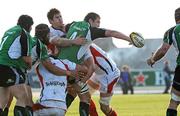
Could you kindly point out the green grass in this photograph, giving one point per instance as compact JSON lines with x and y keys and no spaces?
{"x":129,"y":105}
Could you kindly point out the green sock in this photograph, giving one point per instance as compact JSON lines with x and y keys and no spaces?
{"x":5,"y":111}
{"x":84,"y":109}
{"x":20,"y":111}
{"x":171,"y":112}
{"x":1,"y":112}
{"x":69,"y":99}
{"x":29,"y":110}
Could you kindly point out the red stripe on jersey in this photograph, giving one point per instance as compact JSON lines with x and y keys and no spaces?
{"x":39,"y":76}
{"x":111,"y":85}
{"x":95,"y":54}
{"x":51,"y":47}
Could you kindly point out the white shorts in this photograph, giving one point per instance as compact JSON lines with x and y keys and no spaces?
{"x":49,"y":112}
{"x":106,"y":81}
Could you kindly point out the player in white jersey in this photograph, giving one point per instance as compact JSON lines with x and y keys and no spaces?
{"x":56,"y":35}
{"x":53,"y":93}
{"x":104,"y":78}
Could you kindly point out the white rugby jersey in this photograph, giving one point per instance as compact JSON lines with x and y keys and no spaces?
{"x":56,"y":33}
{"x":53,"y":86}
{"x":104,"y":64}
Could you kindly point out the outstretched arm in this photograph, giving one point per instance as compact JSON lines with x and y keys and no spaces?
{"x":118,"y":35}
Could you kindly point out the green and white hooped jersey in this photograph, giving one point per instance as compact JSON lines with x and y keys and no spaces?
{"x":39,"y":51}
{"x":75,"y":53}
{"x":172,"y":36}
{"x":15,"y":43}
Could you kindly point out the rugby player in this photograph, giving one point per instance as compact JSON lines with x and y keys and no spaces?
{"x":15,"y":59}
{"x":171,"y":36}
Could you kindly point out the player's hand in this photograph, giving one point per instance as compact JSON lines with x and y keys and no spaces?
{"x":150,"y":61}
{"x":72,"y":73}
{"x":81,"y":75}
{"x":79,"y":41}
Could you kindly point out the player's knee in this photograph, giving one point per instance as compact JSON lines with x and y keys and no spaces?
{"x":105,"y":100}
{"x":91,"y":90}
{"x":104,"y":103}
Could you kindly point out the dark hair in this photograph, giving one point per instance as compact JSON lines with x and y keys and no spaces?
{"x":177,"y":14}
{"x":92,"y":16}
{"x":52,"y":12}
{"x":41,"y":32}
{"x":25,"y":21}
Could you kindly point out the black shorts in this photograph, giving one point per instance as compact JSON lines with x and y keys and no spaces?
{"x":11,"y":76}
{"x":176,"y":80}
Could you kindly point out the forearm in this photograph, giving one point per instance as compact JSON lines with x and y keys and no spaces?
{"x":158,"y":54}
{"x":62,"y":42}
{"x":116,"y":34}
{"x":54,"y":69}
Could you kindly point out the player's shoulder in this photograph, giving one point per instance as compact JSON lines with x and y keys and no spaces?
{"x":169,"y":31}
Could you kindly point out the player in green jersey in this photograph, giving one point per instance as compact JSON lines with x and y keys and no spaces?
{"x":95,"y":32}
{"x":15,"y":59}
{"x":171,"y":36}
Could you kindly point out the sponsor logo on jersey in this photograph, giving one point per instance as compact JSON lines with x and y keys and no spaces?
{"x":55,"y":83}
{"x":80,"y":29}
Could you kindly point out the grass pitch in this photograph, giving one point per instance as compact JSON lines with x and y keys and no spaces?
{"x":128,"y":105}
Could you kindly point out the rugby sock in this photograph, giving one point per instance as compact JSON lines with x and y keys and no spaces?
{"x":171,"y":112}
{"x":29,"y":110}
{"x":20,"y":111}
{"x":1,"y":112}
{"x":92,"y":109}
{"x":69,"y":99}
{"x":84,"y":109}
{"x":5,"y":111}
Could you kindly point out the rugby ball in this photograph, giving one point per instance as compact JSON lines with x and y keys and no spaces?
{"x":137,"y":39}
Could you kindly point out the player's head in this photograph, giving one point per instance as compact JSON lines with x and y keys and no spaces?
{"x":42,"y":32}
{"x":55,"y":18}
{"x":93,"y":19}
{"x":25,"y":21}
{"x":177,"y":15}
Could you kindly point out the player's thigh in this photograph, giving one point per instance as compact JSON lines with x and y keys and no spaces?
{"x":4,"y":96}
{"x":18,"y":91}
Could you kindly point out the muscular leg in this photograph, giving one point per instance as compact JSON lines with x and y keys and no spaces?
{"x":93,"y":87}
{"x":4,"y":97}
{"x":175,"y":94}
{"x":29,"y":101}
{"x":6,"y":109}
{"x":104,"y":104}
{"x":71,"y":95}
{"x":173,"y":104}
{"x":19,"y":92}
